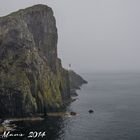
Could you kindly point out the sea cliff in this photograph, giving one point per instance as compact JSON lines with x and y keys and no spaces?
{"x":32,"y":79}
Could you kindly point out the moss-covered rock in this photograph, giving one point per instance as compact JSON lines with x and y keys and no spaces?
{"x":31,"y":76}
{"x":32,"y":79}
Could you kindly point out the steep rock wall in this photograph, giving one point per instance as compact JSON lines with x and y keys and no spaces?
{"x":32,"y":79}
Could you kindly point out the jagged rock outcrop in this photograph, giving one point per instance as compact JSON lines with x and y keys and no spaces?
{"x":76,"y":81}
{"x":32,"y":79}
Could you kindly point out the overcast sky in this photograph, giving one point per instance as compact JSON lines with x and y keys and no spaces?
{"x":94,"y":35}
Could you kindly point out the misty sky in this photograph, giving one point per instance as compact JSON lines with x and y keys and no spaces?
{"x":94,"y":35}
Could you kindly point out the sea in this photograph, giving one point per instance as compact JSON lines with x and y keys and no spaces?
{"x":115,"y":100}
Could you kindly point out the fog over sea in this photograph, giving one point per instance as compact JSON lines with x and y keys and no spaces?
{"x":115,"y":99}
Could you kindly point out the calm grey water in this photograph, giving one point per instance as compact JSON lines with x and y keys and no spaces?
{"x":115,"y":99}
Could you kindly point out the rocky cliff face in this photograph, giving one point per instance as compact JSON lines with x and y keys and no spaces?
{"x":76,"y":81}
{"x":32,"y":79}
{"x":31,"y":76}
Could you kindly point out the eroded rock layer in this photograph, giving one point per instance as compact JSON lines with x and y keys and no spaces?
{"x":32,"y":79}
{"x":31,"y":76}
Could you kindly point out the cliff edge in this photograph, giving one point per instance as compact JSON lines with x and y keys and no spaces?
{"x":32,"y":79}
{"x":76,"y":81}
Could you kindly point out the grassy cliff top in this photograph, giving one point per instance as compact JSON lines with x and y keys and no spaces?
{"x":35,"y":8}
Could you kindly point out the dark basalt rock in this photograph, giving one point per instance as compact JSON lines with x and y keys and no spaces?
{"x":91,"y":111}
{"x":73,"y":113}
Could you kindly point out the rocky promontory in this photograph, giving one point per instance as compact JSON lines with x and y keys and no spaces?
{"x":76,"y":81}
{"x":32,"y":79}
